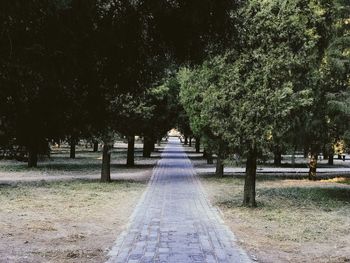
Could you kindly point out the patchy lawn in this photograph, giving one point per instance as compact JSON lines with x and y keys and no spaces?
{"x":296,"y":220}
{"x":75,"y":221}
{"x":59,"y":212}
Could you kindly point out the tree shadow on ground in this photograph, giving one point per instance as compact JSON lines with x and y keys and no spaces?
{"x":52,"y":184}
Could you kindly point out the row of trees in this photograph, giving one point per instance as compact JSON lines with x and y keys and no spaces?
{"x":286,"y":83}
{"x":72,"y":69}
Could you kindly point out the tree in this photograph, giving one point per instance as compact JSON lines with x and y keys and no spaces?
{"x":256,"y":90}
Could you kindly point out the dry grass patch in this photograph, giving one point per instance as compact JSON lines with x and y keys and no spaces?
{"x":73,"y":221}
{"x":296,"y":220}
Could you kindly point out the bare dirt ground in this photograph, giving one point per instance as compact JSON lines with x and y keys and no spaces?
{"x":59,"y":212}
{"x":296,"y":220}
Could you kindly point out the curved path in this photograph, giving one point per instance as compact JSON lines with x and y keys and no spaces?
{"x":174,"y":222}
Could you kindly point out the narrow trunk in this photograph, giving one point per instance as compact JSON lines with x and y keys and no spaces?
{"x":32,"y":157}
{"x":152,"y":145}
{"x":186,"y":140}
{"x":147,"y":147}
{"x":198,"y":145}
{"x":204,"y":153}
{"x":312,"y":166}
{"x":72,"y":148}
{"x":190,"y":142}
{"x":219,"y":167}
{"x":330,"y":159}
{"x":250,"y":177}
{"x":131,"y":149}
{"x":339,"y":157}
{"x":277,"y":160}
{"x":209,"y":156}
{"x":95,"y":146}
{"x":159,"y":142}
{"x":106,"y":163}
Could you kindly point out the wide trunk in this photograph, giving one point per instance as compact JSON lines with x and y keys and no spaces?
{"x":130,"y":161}
{"x":250,"y":178}
{"x":147,"y":146}
{"x":330,"y":159}
{"x":72,"y":148}
{"x":198,"y":145}
{"x":277,"y":160}
{"x":209,"y":156}
{"x":106,"y":163}
{"x":312,"y":166}
{"x":32,"y":157}
{"x":219,"y":167}
{"x":95,"y":146}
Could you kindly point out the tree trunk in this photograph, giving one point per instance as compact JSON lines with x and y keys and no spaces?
{"x":190,"y":141}
{"x":250,"y":178}
{"x":312,"y":166}
{"x":186,"y":140}
{"x":209,"y":156}
{"x":277,"y":160}
{"x":204,"y":153}
{"x":152,"y":145}
{"x":32,"y":157}
{"x":331,"y":159}
{"x":198,"y":145}
{"x":131,"y":150}
{"x":95,"y":146}
{"x":106,"y":163}
{"x":219,"y":167}
{"x":72,"y":148}
{"x":147,"y":147}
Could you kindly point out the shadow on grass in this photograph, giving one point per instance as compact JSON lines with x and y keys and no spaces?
{"x":259,"y":177}
{"x":324,"y":198}
{"x":69,"y":183}
{"x":68,"y":167}
{"x":314,"y":195}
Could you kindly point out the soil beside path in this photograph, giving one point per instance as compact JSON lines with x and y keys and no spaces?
{"x":174,"y":222}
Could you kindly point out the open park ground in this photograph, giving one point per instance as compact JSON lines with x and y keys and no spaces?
{"x":59,"y":212}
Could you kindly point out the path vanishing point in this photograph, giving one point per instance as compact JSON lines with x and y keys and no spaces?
{"x":174,"y":222}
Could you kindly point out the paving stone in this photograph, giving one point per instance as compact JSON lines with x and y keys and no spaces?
{"x":174,"y":222}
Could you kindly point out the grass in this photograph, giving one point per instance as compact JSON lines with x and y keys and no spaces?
{"x":74,"y":221}
{"x":296,"y":220}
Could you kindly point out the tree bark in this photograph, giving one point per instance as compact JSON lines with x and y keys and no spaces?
{"x":312,"y":166}
{"x":204,"y":153}
{"x":95,"y":146}
{"x":152,"y":145}
{"x":72,"y":148}
{"x":190,"y":141}
{"x":277,"y":160}
{"x":186,"y":140}
{"x":130,"y":161}
{"x":198,"y":145}
{"x":32,"y":157}
{"x":147,"y":147}
{"x":250,"y":178}
{"x":106,"y":163}
{"x":219,"y":167}
{"x":330,"y":159}
{"x":209,"y":156}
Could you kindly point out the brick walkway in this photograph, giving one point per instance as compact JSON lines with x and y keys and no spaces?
{"x":174,"y":222}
